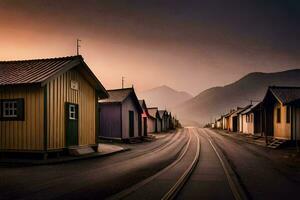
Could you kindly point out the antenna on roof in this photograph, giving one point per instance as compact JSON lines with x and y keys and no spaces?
{"x":123,"y":79}
{"x":78,"y":46}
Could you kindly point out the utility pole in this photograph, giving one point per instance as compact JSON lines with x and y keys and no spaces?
{"x":78,"y":46}
{"x":123,"y":81}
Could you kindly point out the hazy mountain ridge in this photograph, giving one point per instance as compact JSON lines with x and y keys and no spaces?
{"x":215,"y":101}
{"x":164,"y":97}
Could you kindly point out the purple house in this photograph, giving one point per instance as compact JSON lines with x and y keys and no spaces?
{"x":120,"y":115}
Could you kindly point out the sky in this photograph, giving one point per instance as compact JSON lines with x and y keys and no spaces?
{"x":187,"y":45}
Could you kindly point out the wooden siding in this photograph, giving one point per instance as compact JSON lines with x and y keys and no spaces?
{"x":128,"y":105}
{"x":240,"y":121}
{"x":248,"y":127}
{"x":282,"y":130}
{"x":296,"y":123}
{"x":224,"y":124}
{"x":58,"y":93}
{"x":27,"y":135}
{"x":151,"y":125}
{"x":110,"y":120}
{"x":251,"y":123}
{"x":159,"y":129}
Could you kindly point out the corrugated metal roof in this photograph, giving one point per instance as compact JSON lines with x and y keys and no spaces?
{"x":32,"y":71}
{"x":286,"y":95}
{"x":117,"y":95}
{"x":39,"y":71}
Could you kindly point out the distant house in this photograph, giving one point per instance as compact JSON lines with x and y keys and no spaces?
{"x":152,"y":121}
{"x":48,"y":105}
{"x":235,"y":119}
{"x":251,"y":119}
{"x":164,"y":119}
{"x":219,"y":123}
{"x":227,"y":120}
{"x":247,"y":121}
{"x":145,"y":116}
{"x":171,"y":121}
{"x":168,"y":120}
{"x":158,"y":122}
{"x":282,"y":112}
{"x":120,"y":115}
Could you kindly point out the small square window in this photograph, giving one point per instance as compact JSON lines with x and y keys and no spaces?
{"x":9,"y":109}
{"x":72,"y":112}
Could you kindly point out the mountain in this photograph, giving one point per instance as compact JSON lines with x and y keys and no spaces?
{"x":164,"y":97}
{"x":213,"y":102}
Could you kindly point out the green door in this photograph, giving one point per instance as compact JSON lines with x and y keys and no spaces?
{"x":71,"y":124}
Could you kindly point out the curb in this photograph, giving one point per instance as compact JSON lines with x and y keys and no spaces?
{"x":54,"y":162}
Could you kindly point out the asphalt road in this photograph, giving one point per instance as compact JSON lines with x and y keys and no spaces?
{"x":151,"y":170}
{"x":208,"y":180}
{"x":261,"y":177}
{"x":91,"y":179}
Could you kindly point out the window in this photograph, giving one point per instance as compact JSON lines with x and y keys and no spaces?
{"x":288,"y":114}
{"x":9,"y":108}
{"x":278,"y":112}
{"x":12,"y":109}
{"x":72,"y":112}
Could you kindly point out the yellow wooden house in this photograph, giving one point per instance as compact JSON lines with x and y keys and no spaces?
{"x":48,"y":105}
{"x":282,"y":112}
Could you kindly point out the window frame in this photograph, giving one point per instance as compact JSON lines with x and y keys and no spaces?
{"x":15,"y":105}
{"x":10,"y":106}
{"x":72,"y":112}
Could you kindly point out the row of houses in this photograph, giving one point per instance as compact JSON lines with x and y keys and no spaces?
{"x":123,"y":116}
{"x":276,"y":116}
{"x":49,"y":105}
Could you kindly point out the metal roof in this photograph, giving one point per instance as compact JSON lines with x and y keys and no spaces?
{"x":39,"y":71}
{"x":31,"y":71}
{"x":119,"y":95}
{"x":285,"y":95}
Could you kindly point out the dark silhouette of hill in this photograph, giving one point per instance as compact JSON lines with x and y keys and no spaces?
{"x":164,"y":97}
